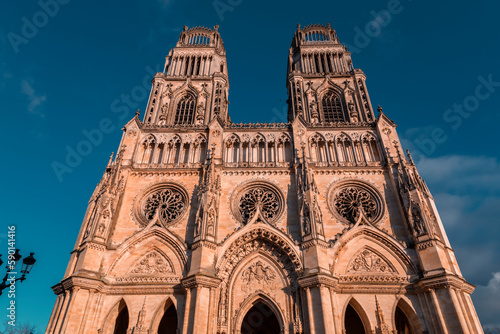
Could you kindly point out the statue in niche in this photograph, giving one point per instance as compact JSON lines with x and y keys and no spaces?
{"x":164,"y":108}
{"x":306,"y":222}
{"x":200,"y":114}
{"x":314,"y":112}
{"x":197,"y":225}
{"x":417,"y":221}
{"x":100,"y":229}
{"x":352,"y":112}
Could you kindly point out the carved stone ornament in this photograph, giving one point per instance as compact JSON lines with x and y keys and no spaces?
{"x":368,"y":261}
{"x":165,"y":203}
{"x":263,"y":196}
{"x":258,"y":273}
{"x":152,"y":263}
{"x":349,"y":200}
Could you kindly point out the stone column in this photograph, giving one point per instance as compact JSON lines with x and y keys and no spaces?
{"x":319,"y":302}
{"x":439,"y":313}
{"x":459,"y":310}
{"x":198,"y":321}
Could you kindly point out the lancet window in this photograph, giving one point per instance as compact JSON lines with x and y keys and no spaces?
{"x":185,"y":110}
{"x":218,"y":99}
{"x":332,"y":108}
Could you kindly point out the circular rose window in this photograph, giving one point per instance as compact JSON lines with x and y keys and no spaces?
{"x":348,"y":200}
{"x":165,"y":203}
{"x":265,"y":198}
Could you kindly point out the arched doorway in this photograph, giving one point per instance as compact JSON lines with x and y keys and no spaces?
{"x":121,"y":323}
{"x":168,"y":323}
{"x":260,"y":319}
{"x":402,"y":323}
{"x":352,"y":322}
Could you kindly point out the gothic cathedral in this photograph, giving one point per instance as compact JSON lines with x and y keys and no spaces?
{"x":318,"y":225}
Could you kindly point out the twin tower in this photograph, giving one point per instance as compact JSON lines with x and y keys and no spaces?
{"x":318,"y":225}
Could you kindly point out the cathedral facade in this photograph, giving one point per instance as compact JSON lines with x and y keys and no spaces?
{"x":318,"y":225}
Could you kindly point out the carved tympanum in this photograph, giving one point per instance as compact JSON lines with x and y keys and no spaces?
{"x":368,"y":261}
{"x":152,"y":263}
{"x":259,"y":273}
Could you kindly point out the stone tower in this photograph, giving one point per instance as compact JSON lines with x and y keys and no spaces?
{"x":318,"y":225}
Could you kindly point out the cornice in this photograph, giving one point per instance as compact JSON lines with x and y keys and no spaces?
{"x":445,"y":281}
{"x":315,"y":280}
{"x":200,"y":281}
{"x":151,"y":286}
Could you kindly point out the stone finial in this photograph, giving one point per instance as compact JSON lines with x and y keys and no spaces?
{"x":409,"y":156}
{"x":379,"y":108}
{"x":298,"y":26}
{"x":110,"y":159}
{"x":138,"y":112}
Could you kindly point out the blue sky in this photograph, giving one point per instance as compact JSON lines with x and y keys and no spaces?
{"x":62,"y":77}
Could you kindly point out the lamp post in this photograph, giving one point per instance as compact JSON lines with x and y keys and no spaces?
{"x":10,"y":276}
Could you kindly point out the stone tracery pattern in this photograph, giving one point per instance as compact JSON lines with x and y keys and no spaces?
{"x":350,"y":199}
{"x":164,"y":204}
{"x":264,"y":199}
{"x":258,"y":195}
{"x":167,"y":204}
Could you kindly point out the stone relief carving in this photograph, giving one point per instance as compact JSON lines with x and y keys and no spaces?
{"x":152,"y":263}
{"x":368,"y":261}
{"x":258,"y":272}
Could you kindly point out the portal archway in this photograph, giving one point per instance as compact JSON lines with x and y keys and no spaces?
{"x":260,"y":319}
{"x":352,"y":321}
{"x":402,"y":323}
{"x":168,"y":323}
{"x":121,"y":323}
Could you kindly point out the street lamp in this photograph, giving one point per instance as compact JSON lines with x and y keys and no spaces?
{"x":28,"y":263}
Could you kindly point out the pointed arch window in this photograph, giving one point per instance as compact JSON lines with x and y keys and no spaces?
{"x":332,"y":108}
{"x":185,"y":110}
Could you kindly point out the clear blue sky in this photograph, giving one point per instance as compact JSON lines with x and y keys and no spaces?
{"x":65,"y":76}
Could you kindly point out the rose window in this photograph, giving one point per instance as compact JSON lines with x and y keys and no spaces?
{"x":348,"y":202}
{"x":262,"y":197}
{"x":167,"y":205}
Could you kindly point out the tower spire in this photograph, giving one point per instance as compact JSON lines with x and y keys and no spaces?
{"x":193,"y":88}
{"x":322,"y":85}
